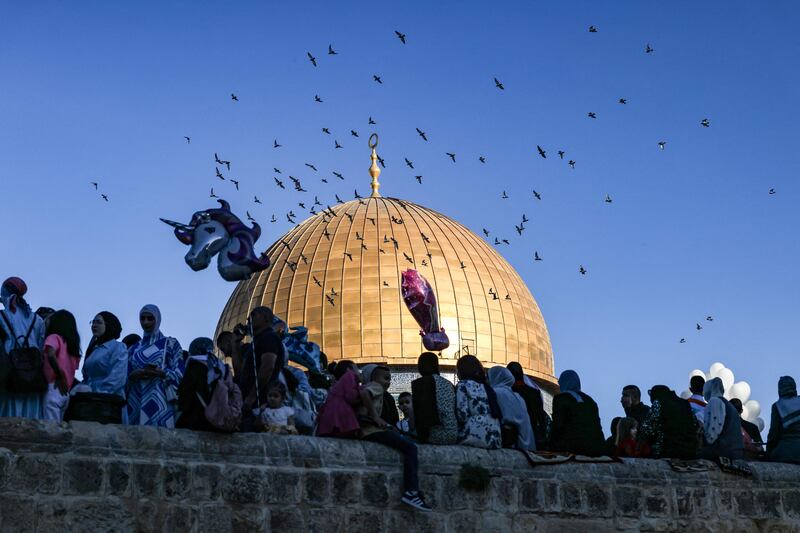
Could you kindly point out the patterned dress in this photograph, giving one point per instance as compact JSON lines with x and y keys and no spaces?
{"x":447,"y":430}
{"x":153,"y":402}
{"x":476,"y":425}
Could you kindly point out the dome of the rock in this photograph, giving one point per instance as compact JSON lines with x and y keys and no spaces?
{"x":338,"y":274}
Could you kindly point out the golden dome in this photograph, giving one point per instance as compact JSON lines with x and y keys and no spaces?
{"x":340,"y":277}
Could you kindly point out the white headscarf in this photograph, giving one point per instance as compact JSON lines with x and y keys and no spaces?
{"x":150,"y":338}
{"x":714,"y":416}
{"x":512,"y":406}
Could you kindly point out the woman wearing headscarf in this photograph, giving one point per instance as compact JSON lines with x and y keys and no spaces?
{"x":532,"y":396}
{"x":100,"y":397}
{"x":512,"y":407}
{"x":434,"y":403}
{"x":783,"y":440}
{"x":576,"y":420}
{"x":477,"y":411}
{"x":670,"y":429}
{"x":155,"y":369}
{"x":722,"y":426}
{"x":17,"y":320}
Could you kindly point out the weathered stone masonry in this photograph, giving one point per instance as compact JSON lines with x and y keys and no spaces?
{"x":89,"y":477}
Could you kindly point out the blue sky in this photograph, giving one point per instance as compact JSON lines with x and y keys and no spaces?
{"x":105,"y":92}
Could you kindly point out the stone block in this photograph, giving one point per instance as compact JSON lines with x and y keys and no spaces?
{"x":550,"y":496}
{"x":768,"y":503}
{"x":656,"y":503}
{"x":240,"y":448}
{"x":570,"y":499}
{"x":530,"y":495}
{"x":119,"y":478}
{"x":791,"y":502}
{"x":213,"y":518}
{"x":317,"y":488}
{"x":464,"y":522}
{"x":147,"y":480}
{"x":745,"y":503}
{"x":527,"y":523}
{"x":250,"y":520}
{"x":428,"y":486}
{"x":180,"y":518}
{"x":337,"y":453}
{"x":325,"y":520}
{"x":206,"y":481}
{"x":346,"y":487}
{"x":242,"y":485}
{"x":598,"y":500}
{"x":304,"y":452}
{"x":17,"y":513}
{"x":287,"y":519}
{"x":452,"y":495}
{"x":276,"y":449}
{"x":36,"y":474}
{"x":283,"y":486}
{"x":628,"y":501}
{"x":105,"y":514}
{"x":6,"y":465}
{"x":51,"y":515}
{"x":176,"y":481}
{"x":408,"y":521}
{"x":495,"y":522}
{"x":505,"y":492}
{"x":684,"y":503}
{"x":82,"y":476}
{"x":373,"y":485}
{"x":364,"y":520}
{"x":724,"y":503}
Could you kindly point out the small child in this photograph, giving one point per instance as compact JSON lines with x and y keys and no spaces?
{"x":406,"y":425}
{"x":627,"y":443}
{"x":276,"y":417}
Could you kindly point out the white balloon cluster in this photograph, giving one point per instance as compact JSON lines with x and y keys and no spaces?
{"x":751,"y":409}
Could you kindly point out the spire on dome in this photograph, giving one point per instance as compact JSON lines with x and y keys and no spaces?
{"x":374,"y":170}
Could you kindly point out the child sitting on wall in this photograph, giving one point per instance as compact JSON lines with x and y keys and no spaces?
{"x":275,"y":416}
{"x":337,"y":416}
{"x":373,"y":428}
{"x":406,"y":424}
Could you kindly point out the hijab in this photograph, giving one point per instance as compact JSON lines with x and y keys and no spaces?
{"x":788,"y":404}
{"x":11,"y":294}
{"x":787,"y":388}
{"x":570,"y":382}
{"x":366,"y":372}
{"x":113,"y":331}
{"x":512,"y":406}
{"x":150,"y":338}
{"x":423,"y":395}
{"x":469,"y":368}
{"x":716,"y":409}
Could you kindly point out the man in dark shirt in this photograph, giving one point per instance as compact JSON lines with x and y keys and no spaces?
{"x":533,"y":403}
{"x":632,"y":403}
{"x":265,"y":353}
{"x":749,"y":427}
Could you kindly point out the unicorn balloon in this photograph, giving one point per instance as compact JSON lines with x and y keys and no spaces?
{"x":219,"y":231}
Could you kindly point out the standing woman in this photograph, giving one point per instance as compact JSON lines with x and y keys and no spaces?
{"x":62,"y":355}
{"x":17,"y":320}
{"x":155,"y":369}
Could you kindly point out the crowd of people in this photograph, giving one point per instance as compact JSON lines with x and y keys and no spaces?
{"x":149,"y":379}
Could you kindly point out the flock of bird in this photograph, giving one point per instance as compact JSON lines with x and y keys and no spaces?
{"x":222,"y":169}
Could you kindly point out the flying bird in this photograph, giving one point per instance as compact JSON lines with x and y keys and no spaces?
{"x":482,"y":159}
{"x":608,"y":199}
{"x":354,"y":133}
{"x":336,"y":144}
{"x":682,"y":341}
{"x":312,"y":59}
{"x":212,"y":193}
{"x":698,"y":327}
{"x":326,"y":130}
{"x":485,"y":231}
{"x":524,"y":218}
{"x":256,"y":200}
{"x":349,"y":255}
{"x":371,"y":121}
{"x":772,"y":191}
{"x":662,"y":144}
{"x":419,"y":179}
{"x":504,"y":196}
{"x":331,"y":51}
{"x":421,"y":134}
{"x":279,"y":183}
{"x":409,"y":163}
{"x":519,"y":228}
{"x":275,"y":144}
{"x":94,"y":183}
{"x":592,"y":115}
{"x":648,"y":49}
{"x":623,"y":101}
{"x":312,"y":167}
{"x":317,"y":98}
{"x":710,"y":318}
{"x":188,"y":139}
{"x":571,"y":163}
{"x":235,"y":183}
{"x":316,"y":281}
{"x":338,"y":175}
{"x":451,"y":156}
{"x":104,"y":197}
{"x":541,"y":151}
{"x":582,"y":270}
{"x":219,"y":174}
{"x":592,"y":29}
{"x":561,"y":154}
{"x":273,"y":219}
{"x":234,"y":97}
{"x":499,"y":85}
{"x":536,"y":256}
{"x":250,"y":217}
{"x":537,"y":195}
{"x":377,"y":78}
{"x":705,"y":123}
{"x":330,"y":299}
{"x":401,"y":36}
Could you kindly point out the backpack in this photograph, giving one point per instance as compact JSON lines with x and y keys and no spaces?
{"x":224,"y":409}
{"x":25,"y":372}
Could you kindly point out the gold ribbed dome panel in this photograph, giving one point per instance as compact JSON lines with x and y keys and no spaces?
{"x":368,"y":321}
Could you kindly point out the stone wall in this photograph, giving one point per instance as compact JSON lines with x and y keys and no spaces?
{"x":88,"y":477}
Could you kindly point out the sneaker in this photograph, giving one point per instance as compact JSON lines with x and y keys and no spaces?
{"x":414,"y":499}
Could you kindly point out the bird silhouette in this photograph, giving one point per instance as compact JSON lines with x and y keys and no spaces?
{"x":331,"y":51}
{"x":648,"y":49}
{"x":592,"y":115}
{"x":359,"y":237}
{"x":409,"y":163}
{"x":623,"y":101}
{"x":275,"y":144}
{"x":421,"y":134}
{"x":302,"y":205}
{"x":592,"y":29}
{"x":608,"y":199}
{"x":499,"y":85}
{"x":482,"y":159}
{"x":408,"y":258}
{"x":273,"y":219}
{"x":371,"y":220}
{"x":279,"y":183}
{"x":338,"y":175}
{"x":349,"y":255}
{"x":504,"y":196}
{"x":536,"y":256}
{"x":698,"y":327}
{"x":682,"y":341}
{"x":219,"y":174}
{"x":537,"y":195}
{"x":519,"y":229}
{"x":326,"y":130}
{"x":371,"y":121}
{"x":380,"y":160}
{"x":524,"y":218}
{"x":338,"y":200}
{"x":336,"y":144}
{"x":541,"y":151}
{"x":385,"y":284}
{"x":356,"y":195}
{"x":188,"y":139}
{"x":312,"y":59}
{"x":317,"y":98}
{"x":485,"y":231}
{"x":705,"y":123}
{"x":234,"y":97}
{"x":94,"y":183}
{"x":401,"y":36}
{"x":451,"y":156}
{"x":710,"y":318}
{"x":212,"y":193}
{"x":571,"y":163}
{"x":330,"y":299}
{"x":250,"y":217}
{"x":333,"y":292}
{"x":235,"y":183}
{"x":349,"y":216}
{"x":104,"y":197}
{"x":662,"y":144}
{"x":312,"y":167}
{"x":508,"y":297}
{"x":425,"y":238}
{"x":582,"y":270}
{"x":377,"y":78}
{"x":461,"y":265}
{"x":316,"y":281}
{"x":419,"y":179}
{"x":772,"y":191}
{"x":326,"y":234}
{"x":354,"y":133}
{"x":256,"y":200}
{"x":561,"y":154}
